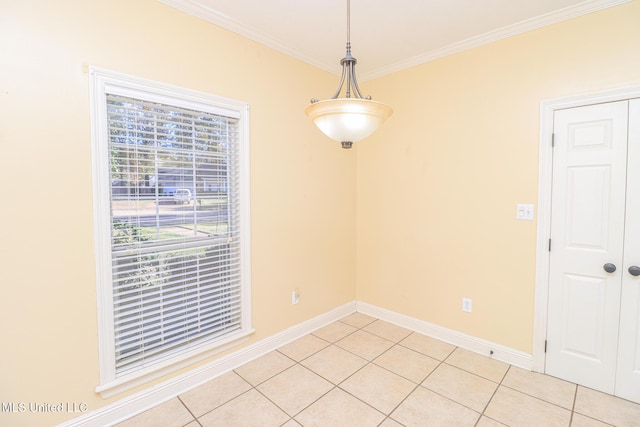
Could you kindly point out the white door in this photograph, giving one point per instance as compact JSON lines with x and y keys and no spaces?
{"x":593,"y":334}
{"x":628,"y":378}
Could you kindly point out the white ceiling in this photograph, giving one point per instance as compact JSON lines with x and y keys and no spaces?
{"x":386,"y":35}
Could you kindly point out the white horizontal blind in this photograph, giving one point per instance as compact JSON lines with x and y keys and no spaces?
{"x":175,"y":224}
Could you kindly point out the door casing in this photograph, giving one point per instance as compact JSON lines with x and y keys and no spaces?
{"x":545,"y":186}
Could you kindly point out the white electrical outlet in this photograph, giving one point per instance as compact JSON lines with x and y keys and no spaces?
{"x":295,"y":297}
{"x":466,"y":305}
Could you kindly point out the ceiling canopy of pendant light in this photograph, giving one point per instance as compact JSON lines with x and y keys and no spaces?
{"x":352,"y":117}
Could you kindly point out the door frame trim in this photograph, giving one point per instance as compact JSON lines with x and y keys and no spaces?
{"x":545,"y":186}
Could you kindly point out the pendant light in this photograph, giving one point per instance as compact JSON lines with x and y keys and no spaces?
{"x":350,"y":118}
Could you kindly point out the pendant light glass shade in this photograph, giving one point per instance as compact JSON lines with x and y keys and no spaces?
{"x":348,"y":119}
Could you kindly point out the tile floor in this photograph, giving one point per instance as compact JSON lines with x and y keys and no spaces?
{"x":361,"y":371}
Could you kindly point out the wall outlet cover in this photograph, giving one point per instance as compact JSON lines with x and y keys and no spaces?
{"x":466,"y":305}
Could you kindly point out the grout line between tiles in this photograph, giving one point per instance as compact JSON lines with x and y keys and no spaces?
{"x":573,"y":411}
{"x":538,"y":398}
{"x":443,"y":362}
{"x":482,"y":414}
{"x":417,"y":351}
{"x":222,"y":404}
{"x":402,"y":401}
{"x":275,"y":404}
{"x":267,"y":379}
{"x":573,"y":406}
{"x":190,"y":412}
{"x":366,"y":403}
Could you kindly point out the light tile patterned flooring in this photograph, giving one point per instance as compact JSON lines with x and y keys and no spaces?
{"x":361,"y":371}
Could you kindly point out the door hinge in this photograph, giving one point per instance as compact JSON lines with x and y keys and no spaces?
{"x":553,"y":140}
{"x":545,"y":346}
{"x":549,"y":245}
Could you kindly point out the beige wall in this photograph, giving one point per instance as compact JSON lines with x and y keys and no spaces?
{"x":303,"y":186}
{"x":439,"y":184}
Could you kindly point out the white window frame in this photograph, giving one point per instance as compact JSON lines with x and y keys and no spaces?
{"x":103,"y":82}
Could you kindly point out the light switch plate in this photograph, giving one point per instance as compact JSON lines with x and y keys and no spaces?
{"x":525,"y":212}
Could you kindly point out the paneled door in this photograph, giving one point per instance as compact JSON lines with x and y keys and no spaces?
{"x":628,"y":372}
{"x":593,"y":335}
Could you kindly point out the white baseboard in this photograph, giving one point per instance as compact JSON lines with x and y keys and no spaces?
{"x":146,"y":399}
{"x":477,"y":345}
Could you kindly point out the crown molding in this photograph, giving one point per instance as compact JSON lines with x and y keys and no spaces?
{"x":195,"y":8}
{"x":555,"y":17}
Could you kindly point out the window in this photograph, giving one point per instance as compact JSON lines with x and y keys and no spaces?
{"x":171,"y":215}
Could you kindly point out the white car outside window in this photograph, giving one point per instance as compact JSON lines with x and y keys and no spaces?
{"x":182,"y":195}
